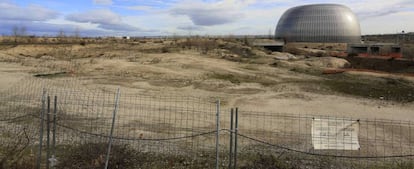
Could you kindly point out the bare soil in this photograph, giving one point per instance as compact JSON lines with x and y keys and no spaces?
{"x":231,"y":70}
{"x":251,"y":80}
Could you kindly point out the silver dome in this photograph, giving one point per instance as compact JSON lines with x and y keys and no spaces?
{"x":319,"y":23}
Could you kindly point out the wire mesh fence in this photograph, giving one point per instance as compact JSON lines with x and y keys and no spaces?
{"x":360,"y":143}
{"x":169,"y":125}
{"x":45,"y":123}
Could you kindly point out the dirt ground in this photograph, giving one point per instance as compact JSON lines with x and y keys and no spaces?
{"x":260,"y":83}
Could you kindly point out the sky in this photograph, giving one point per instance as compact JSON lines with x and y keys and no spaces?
{"x":183,"y":17}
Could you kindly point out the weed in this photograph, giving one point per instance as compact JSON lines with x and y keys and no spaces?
{"x":229,"y":77}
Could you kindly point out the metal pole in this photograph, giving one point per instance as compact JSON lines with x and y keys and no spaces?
{"x":48,"y":132}
{"x":112,"y":129}
{"x":53,"y":159}
{"x":217,"y":133}
{"x":231,"y":137}
{"x":39,"y":155}
{"x":235,"y":137}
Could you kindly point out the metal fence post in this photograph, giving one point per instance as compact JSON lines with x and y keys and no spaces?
{"x":53,"y":159}
{"x":217,"y":133}
{"x":48,"y":133}
{"x":231,"y":138}
{"x":236,"y":128}
{"x":112,"y":129}
{"x":39,"y":155}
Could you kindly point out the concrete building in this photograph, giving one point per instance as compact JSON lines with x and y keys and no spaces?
{"x":388,"y":50}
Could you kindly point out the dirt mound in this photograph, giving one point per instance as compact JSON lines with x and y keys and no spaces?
{"x":326,"y":62}
{"x":284,"y":56}
{"x":7,"y":58}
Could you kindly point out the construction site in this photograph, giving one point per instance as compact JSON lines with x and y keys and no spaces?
{"x":340,"y":100}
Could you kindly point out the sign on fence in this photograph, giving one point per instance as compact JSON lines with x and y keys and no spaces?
{"x":335,"y":134}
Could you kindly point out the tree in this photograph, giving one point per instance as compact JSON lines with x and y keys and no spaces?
{"x":15,"y":33}
{"x":76,"y":33}
{"x":15,"y":30}
{"x":18,"y":32}
{"x":61,"y":33}
{"x":23,"y":31}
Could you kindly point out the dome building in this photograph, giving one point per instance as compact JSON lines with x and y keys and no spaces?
{"x":326,"y":23}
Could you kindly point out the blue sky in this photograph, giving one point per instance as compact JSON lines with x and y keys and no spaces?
{"x":184,"y":17}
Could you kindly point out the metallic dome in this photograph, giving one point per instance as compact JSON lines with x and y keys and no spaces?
{"x":319,"y":23}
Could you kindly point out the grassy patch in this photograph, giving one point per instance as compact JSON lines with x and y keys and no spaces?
{"x":228,"y":77}
{"x":265,"y":162}
{"x":92,"y":155}
{"x":392,"y":89}
{"x":377,"y":88}
{"x":238,"y":79}
{"x":15,"y":150}
{"x":264,"y":159}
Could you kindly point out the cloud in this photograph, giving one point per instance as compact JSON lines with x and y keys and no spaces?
{"x":100,"y":16}
{"x":210,"y":17}
{"x":209,"y":14}
{"x":139,"y":8}
{"x":190,"y":28}
{"x":102,"y":2}
{"x":39,"y":28}
{"x":374,"y":8}
{"x":398,"y":22}
{"x":370,"y":14}
{"x":118,"y":27}
{"x":52,"y":29}
{"x":123,"y":27}
{"x":10,"y":11}
{"x":106,"y":19}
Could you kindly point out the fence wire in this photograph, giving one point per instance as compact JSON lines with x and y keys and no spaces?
{"x":185,"y":126}
{"x":384,"y":143}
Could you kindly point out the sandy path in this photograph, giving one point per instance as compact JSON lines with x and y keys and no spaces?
{"x":10,"y":74}
{"x":326,"y":105}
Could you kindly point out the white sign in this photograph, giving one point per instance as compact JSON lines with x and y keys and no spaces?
{"x":335,"y":134}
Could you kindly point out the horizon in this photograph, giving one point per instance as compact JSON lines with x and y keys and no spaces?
{"x":106,"y":18}
{"x":171,"y":36}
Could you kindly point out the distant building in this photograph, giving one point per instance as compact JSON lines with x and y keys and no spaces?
{"x":326,"y":23}
{"x":388,"y":50}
